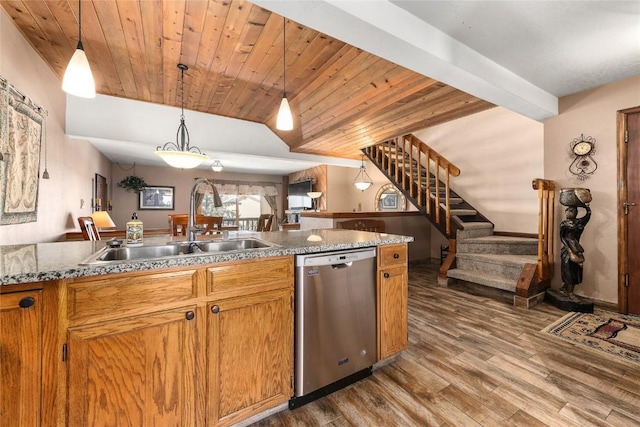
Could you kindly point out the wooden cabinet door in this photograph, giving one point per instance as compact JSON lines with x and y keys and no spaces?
{"x":137,"y":371}
{"x":392,"y":314}
{"x":250,"y":355}
{"x":20,"y":358}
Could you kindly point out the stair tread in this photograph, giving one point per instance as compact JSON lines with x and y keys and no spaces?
{"x":501,"y":239}
{"x":485,"y":279}
{"x":501,"y":258}
{"x":461,"y":212}
{"x":475,"y":225}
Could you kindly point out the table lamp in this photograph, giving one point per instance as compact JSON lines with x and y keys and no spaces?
{"x":102,"y":220}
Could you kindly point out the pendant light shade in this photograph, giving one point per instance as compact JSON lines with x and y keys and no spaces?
{"x":217,"y":166}
{"x":180,"y":154}
{"x":78,"y":79}
{"x":363,"y":180}
{"x":285,"y":118}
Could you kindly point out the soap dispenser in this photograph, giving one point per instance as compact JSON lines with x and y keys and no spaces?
{"x":134,"y":231}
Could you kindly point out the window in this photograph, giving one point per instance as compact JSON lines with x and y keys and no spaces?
{"x":240,"y":210}
{"x":242,"y":203}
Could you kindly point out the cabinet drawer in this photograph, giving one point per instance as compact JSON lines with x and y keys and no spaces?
{"x":392,"y":255}
{"x":237,"y":277}
{"x":118,"y":295}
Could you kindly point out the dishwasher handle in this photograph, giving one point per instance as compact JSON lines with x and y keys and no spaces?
{"x":342,"y":265}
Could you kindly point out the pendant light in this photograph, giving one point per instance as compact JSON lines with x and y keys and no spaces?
{"x":180,"y":154}
{"x":285,"y":119}
{"x":363,"y":180}
{"x":217,"y":166}
{"x":78,"y":79}
{"x":45,"y":174}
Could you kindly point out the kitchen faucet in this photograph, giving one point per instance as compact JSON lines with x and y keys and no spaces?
{"x":192,"y":229}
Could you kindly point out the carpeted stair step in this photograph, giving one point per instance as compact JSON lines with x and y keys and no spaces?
{"x":452,"y":200}
{"x":460,"y":212}
{"x":507,"y":266}
{"x":503,"y":245}
{"x":484,"y":279}
{"x":474,"y":229}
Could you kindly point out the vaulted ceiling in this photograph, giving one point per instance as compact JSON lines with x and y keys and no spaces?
{"x":343,"y":98}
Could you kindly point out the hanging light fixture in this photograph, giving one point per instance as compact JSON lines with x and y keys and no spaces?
{"x":363,"y":180}
{"x":217,"y":166}
{"x":78,"y":79}
{"x":285,"y":119}
{"x":45,"y":174}
{"x":180,"y":154}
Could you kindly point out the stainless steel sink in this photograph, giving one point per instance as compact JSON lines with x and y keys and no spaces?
{"x":172,"y":249}
{"x":233,"y":245}
{"x":142,"y":252}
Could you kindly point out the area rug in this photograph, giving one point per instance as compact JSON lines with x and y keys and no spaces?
{"x":612,"y":333}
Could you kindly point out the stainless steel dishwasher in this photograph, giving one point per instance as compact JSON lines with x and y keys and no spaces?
{"x":335,"y":326}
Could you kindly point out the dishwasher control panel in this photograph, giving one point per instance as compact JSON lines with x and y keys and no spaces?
{"x":335,"y":257}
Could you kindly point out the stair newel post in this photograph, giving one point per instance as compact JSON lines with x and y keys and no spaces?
{"x":542,"y":233}
{"x":546,"y":202}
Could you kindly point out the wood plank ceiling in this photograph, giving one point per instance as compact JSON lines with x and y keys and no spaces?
{"x":343,"y":98}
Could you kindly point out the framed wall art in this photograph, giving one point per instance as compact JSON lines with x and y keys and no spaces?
{"x":100,"y":193}
{"x":157,"y":197}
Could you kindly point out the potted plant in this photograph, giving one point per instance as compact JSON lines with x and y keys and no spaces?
{"x":133,"y":183}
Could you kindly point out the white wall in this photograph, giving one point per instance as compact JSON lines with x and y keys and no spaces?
{"x":592,"y":113}
{"x":71,"y":163}
{"x":499,"y":153}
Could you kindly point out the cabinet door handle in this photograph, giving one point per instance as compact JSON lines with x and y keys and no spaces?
{"x":215,"y":309}
{"x":396,"y":256}
{"x":27,"y":302}
{"x":386,"y":275}
{"x":190,"y":315}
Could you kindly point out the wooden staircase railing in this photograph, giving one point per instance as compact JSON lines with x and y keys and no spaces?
{"x":409,"y":160}
{"x":536,"y":278}
{"x":423,"y":176}
{"x":546,"y":196}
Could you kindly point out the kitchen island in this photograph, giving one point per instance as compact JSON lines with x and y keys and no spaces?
{"x":195,"y":339}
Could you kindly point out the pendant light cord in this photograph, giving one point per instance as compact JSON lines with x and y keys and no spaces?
{"x":80,"y":22}
{"x":284,"y":56}
{"x":182,"y":92}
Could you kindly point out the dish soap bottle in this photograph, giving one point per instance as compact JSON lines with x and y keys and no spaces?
{"x":134,"y":231}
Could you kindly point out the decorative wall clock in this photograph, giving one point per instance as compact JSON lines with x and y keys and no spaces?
{"x":581,"y":150}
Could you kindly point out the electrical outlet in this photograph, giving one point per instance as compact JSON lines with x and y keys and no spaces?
{"x":81,"y":203}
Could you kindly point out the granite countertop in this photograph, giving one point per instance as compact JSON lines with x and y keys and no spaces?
{"x":50,"y":261}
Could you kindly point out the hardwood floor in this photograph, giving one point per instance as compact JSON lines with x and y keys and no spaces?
{"x":474,"y":361}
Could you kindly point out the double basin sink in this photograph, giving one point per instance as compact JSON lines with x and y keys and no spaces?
{"x":206,"y":247}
